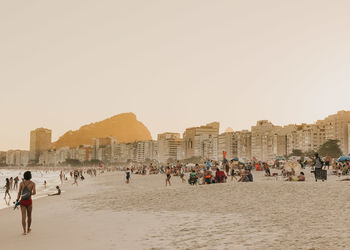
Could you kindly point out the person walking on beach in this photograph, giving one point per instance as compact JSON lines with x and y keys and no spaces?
{"x":15,"y":185}
{"x":168,"y":176}
{"x":7,"y":188}
{"x":182,"y":174}
{"x":26,"y":190}
{"x":61,"y":177}
{"x":318,"y":164}
{"x":127,"y":176}
{"x":11,"y":183}
{"x":76,"y":175}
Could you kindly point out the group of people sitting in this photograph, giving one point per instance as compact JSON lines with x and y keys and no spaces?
{"x":207,"y":177}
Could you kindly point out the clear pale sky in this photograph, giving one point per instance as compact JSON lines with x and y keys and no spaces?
{"x":175,"y":64}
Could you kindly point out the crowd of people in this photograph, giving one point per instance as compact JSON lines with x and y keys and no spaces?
{"x":27,"y":188}
{"x":209,"y":172}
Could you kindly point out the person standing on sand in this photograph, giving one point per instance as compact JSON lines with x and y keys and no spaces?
{"x":26,"y":190}
{"x":15,"y":185}
{"x":61,"y":177}
{"x":7,"y":188}
{"x":168,"y":176}
{"x":233,"y":174}
{"x":11,"y":183}
{"x":318,"y":164}
{"x":182,"y":174}
{"x":127,"y":176}
{"x":76,"y":175}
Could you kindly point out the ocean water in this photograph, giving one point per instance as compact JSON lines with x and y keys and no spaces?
{"x":38,"y":176}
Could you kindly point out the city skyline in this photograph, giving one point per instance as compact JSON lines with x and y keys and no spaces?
{"x":181,"y":133}
{"x":69,"y":63}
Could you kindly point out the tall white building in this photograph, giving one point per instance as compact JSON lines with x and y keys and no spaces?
{"x":17,"y":157}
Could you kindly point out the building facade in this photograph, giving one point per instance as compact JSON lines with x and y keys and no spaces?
{"x":40,"y":140}
{"x":168,"y":145}
{"x":202,"y":141}
{"x":17,"y":158}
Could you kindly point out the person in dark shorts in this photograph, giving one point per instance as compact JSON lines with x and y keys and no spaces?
{"x":127,"y":173}
{"x":7,"y":188}
{"x":168,"y":176}
{"x":58,"y":192}
{"x":318,"y":164}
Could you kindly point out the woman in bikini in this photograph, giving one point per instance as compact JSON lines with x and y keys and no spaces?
{"x":7,"y":188}
{"x":26,"y":190}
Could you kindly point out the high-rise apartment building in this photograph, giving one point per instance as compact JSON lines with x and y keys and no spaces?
{"x":337,"y":127}
{"x":103,"y":149}
{"x":202,"y":141}
{"x":168,"y":144}
{"x":305,"y":137}
{"x":146,"y":151}
{"x":3,"y":157}
{"x":228,"y":142}
{"x":17,"y":157}
{"x":40,"y":140}
{"x":268,"y":141}
{"x":244,"y":144}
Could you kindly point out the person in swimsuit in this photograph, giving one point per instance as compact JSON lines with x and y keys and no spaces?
{"x":127,"y":175}
{"x":76,"y":175}
{"x":7,"y":188}
{"x":233,"y":174}
{"x":15,"y":185}
{"x":168,"y":176}
{"x":26,"y":190}
{"x":300,"y":177}
{"x":58,"y":192}
{"x":182,"y":174}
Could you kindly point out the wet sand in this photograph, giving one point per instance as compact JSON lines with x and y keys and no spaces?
{"x":105,"y":213}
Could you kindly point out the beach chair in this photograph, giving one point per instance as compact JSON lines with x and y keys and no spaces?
{"x":193,"y":179}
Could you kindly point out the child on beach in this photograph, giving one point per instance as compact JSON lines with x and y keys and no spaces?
{"x":127,"y":175}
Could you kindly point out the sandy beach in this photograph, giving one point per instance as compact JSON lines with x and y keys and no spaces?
{"x":105,"y":213}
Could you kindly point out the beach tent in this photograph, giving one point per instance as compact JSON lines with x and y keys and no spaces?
{"x":344,"y":158}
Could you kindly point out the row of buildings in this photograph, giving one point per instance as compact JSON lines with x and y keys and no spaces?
{"x":265,"y":141}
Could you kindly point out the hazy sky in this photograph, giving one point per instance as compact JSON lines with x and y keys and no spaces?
{"x":175,"y":64}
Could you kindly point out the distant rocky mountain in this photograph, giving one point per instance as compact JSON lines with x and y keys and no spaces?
{"x":123,"y":127}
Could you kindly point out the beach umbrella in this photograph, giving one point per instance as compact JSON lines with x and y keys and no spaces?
{"x":190,"y":165}
{"x":344,"y":158}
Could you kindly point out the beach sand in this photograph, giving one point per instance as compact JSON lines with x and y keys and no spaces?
{"x":105,"y":213}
